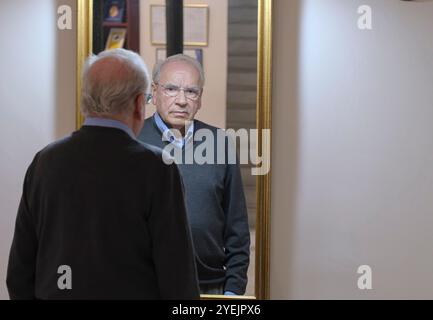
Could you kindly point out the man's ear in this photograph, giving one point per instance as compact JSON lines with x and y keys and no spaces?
{"x":139,"y":106}
{"x":199,"y":100}
{"x":154,"y":88}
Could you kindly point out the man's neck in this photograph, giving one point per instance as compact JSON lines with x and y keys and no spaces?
{"x":124,"y":120}
{"x":181,"y":129}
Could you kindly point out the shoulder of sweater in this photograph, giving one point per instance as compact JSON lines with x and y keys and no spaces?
{"x":149,"y":121}
{"x":134,"y":146}
{"x":149,"y":127}
{"x":202,"y":125}
{"x":56,"y":145}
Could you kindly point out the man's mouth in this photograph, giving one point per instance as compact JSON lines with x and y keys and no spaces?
{"x":179,"y":113}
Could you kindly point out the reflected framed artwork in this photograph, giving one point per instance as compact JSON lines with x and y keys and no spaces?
{"x":196,"y":25}
{"x":116,"y":38}
{"x":196,"y":53}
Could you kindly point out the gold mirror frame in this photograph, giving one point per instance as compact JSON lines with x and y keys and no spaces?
{"x":264,"y":113}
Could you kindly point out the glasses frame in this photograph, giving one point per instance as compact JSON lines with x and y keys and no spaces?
{"x":164,"y":86}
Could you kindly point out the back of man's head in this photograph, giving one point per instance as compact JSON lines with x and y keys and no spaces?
{"x":111,"y":82}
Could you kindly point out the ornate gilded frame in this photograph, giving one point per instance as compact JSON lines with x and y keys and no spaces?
{"x":84,"y":46}
{"x":264,"y":112}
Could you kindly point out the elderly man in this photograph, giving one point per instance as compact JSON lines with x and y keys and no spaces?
{"x":101,"y":215}
{"x":214,"y":193}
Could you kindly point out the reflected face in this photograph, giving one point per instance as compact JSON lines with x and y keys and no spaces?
{"x":177,"y":96}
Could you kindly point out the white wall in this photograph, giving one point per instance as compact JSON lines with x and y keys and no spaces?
{"x":37,"y":98}
{"x":214,"y":99}
{"x":352,"y":150}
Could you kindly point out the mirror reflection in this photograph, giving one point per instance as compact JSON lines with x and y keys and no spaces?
{"x":215,"y":88}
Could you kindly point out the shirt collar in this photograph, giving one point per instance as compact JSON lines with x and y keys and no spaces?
{"x":109,"y":123}
{"x":169,"y":135}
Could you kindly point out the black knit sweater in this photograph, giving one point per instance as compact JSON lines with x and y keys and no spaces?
{"x":107,"y":206}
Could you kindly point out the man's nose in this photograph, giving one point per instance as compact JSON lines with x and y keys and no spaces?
{"x":181,"y":98}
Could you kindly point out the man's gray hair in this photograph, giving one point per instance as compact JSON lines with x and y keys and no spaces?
{"x":115,"y":94}
{"x":176,"y":58}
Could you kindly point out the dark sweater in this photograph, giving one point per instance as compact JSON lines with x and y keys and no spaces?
{"x":108,"y":207}
{"x":217,"y":213}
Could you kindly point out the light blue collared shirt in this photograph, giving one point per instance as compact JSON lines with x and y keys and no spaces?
{"x":169,"y":136}
{"x":109,"y":123}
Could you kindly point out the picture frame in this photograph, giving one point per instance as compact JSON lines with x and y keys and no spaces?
{"x":114,"y":10}
{"x":196,"y":53}
{"x":196,"y":25}
{"x":116,"y":38}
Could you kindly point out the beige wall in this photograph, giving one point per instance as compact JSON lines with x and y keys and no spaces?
{"x":352,"y":150}
{"x":37,"y":94}
{"x":213,"y":109}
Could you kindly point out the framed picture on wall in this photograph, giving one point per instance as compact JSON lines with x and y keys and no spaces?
{"x":114,"y":10}
{"x":116,"y":38}
{"x":196,"y":25}
{"x":196,"y":53}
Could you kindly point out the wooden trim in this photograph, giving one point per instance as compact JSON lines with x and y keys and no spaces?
{"x":84,"y":47}
{"x":264,"y":117}
{"x":133,"y":16}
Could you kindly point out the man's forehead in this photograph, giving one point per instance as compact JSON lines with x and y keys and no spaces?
{"x":179,"y":67}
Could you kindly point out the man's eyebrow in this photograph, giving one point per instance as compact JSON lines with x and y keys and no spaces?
{"x":175,"y":85}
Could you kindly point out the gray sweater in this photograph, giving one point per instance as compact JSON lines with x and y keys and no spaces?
{"x":217,"y":214}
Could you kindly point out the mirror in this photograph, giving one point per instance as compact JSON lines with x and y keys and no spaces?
{"x":237,"y":93}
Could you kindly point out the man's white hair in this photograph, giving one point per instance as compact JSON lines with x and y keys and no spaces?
{"x":116,"y":94}
{"x":156,"y":75}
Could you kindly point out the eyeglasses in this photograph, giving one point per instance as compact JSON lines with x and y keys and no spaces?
{"x":148,"y":97}
{"x":171,"y":90}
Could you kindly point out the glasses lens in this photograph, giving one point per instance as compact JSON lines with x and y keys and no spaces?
{"x":191,"y":93}
{"x":171,"y":91}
